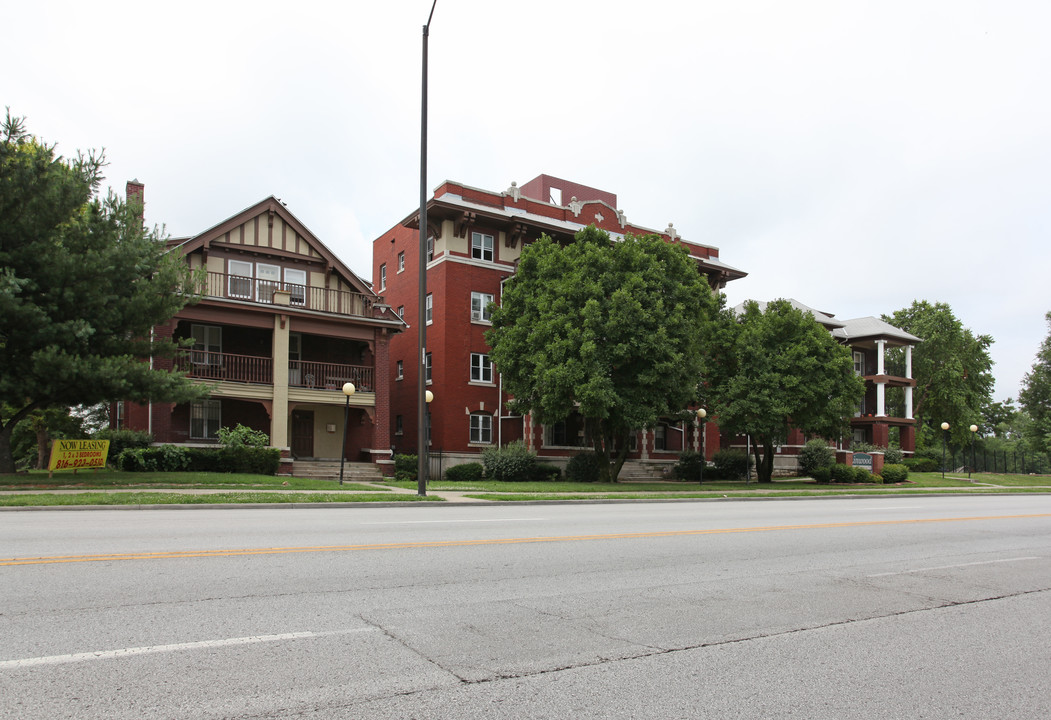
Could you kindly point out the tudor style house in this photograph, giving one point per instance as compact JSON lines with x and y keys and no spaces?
{"x":281,"y":325}
{"x":474,"y":240}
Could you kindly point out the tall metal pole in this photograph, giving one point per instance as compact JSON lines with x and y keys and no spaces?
{"x":421,"y":401}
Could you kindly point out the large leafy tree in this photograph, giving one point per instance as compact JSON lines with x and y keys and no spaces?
{"x":81,"y":286}
{"x":783,"y":370}
{"x":1035,"y":396}
{"x":615,"y":330}
{"x":952,"y":368}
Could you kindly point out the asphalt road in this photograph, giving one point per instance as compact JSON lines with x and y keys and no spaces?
{"x":919,"y":607}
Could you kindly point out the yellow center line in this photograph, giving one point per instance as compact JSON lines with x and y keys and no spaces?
{"x":466,"y":543}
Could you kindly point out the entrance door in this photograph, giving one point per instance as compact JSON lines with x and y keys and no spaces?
{"x":302,"y":433}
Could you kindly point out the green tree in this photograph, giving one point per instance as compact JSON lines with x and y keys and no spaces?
{"x":952,"y":368}
{"x":81,"y":286}
{"x":783,"y":370}
{"x":1035,"y":396}
{"x":614,"y":330}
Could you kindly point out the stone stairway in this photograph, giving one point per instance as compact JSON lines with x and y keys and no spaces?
{"x":329,"y":470}
{"x":642,"y":471}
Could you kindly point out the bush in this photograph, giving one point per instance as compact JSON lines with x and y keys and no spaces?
{"x":468,"y":472}
{"x":815,"y":454}
{"x":120,"y":440}
{"x":690,"y":466}
{"x":731,"y":464}
{"x":920,"y":464}
{"x":862,"y":475}
{"x":406,"y":467}
{"x":171,"y":458}
{"x":822,"y":475}
{"x":546,"y":472}
{"x":583,"y":468}
{"x":895,"y":473}
{"x":864,"y":447}
{"x":242,"y":436}
{"x":511,"y":463}
{"x":893,"y":455}
{"x":842,"y":473}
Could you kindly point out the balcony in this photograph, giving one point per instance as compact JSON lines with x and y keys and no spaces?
{"x":230,"y":367}
{"x":246,"y":289}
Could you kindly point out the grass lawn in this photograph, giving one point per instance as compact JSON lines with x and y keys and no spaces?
{"x":120,"y":488}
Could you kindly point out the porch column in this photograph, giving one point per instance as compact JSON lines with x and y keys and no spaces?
{"x":881,"y":386}
{"x":279,"y":416}
{"x":645,"y":449}
{"x":908,"y":374}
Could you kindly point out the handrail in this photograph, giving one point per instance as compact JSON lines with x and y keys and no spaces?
{"x":246,"y":289}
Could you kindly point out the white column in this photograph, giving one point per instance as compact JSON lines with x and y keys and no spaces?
{"x":881,"y":395}
{"x":908,"y":403}
{"x":881,"y":346}
{"x":908,"y":362}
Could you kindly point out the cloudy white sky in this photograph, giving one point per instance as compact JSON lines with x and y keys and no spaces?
{"x":853,"y":155}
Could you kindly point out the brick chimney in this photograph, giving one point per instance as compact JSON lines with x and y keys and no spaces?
{"x":134,"y":192}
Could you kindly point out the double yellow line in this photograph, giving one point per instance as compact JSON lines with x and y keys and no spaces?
{"x":117,"y":557}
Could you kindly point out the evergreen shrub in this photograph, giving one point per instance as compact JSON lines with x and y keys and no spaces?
{"x":815,"y":454}
{"x":583,"y":467}
{"x":511,"y":463}
{"x":467,"y":472}
{"x":895,"y":473}
{"x":689,"y":467}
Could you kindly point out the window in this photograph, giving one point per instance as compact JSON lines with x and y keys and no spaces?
{"x":859,"y":363}
{"x":268,"y":279}
{"x":120,"y":415}
{"x":383,"y":276}
{"x":481,"y":428}
{"x":660,"y":437}
{"x":430,"y":248}
{"x":482,"y":246}
{"x":401,"y":262}
{"x":401,"y":311}
{"x":430,"y":309}
{"x":427,"y":367}
{"x":207,"y":345}
{"x":399,"y":425}
{"x":480,"y":306}
{"x":401,"y":370}
{"x":240,"y":279}
{"x":481,"y":368}
{"x":296,"y":285}
{"x":204,"y":420}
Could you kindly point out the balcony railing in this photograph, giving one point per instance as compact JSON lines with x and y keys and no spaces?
{"x":226,"y":366}
{"x":236,"y":287}
{"x":330,"y":376}
{"x":229,"y":367}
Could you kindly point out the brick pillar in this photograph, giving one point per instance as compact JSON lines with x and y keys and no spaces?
{"x":381,"y":426}
{"x":880,"y":434}
{"x":907,"y":438}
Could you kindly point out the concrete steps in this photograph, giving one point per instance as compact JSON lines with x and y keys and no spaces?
{"x":642,"y":471}
{"x":329,"y":470}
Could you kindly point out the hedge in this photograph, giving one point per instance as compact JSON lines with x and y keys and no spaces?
{"x":171,"y":458}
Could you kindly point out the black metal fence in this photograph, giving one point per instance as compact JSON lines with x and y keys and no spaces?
{"x":1008,"y":462}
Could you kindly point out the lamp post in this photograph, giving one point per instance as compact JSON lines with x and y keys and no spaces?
{"x":421,"y":404}
{"x":348,"y":390}
{"x":945,"y":438}
{"x":974,"y":431}
{"x":422,"y":478}
{"x":701,"y":415}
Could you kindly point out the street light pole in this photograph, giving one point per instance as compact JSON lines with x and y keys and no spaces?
{"x":974,"y":431}
{"x":701,"y":415}
{"x":348,"y":390}
{"x":945,"y":438}
{"x":421,"y":320}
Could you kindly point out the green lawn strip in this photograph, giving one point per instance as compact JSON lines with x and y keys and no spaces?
{"x":38,"y":480}
{"x":155,"y":498}
{"x":842,"y":490}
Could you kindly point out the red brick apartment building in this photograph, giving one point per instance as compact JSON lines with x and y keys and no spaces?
{"x":281,"y":326}
{"x":475,"y":238}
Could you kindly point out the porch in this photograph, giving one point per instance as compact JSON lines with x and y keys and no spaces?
{"x":254,"y":369}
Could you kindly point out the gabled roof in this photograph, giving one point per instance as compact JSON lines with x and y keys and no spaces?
{"x":824,"y":318}
{"x":273,"y":205}
{"x":872,"y":328}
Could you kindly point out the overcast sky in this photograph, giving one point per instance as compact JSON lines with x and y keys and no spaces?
{"x":852,"y":155}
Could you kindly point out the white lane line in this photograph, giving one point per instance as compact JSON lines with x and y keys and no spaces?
{"x":894,"y":507}
{"x":432,"y":522}
{"x":947,"y":567}
{"x":152,"y":649}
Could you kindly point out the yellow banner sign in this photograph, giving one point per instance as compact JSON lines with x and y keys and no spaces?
{"x":78,"y":454}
